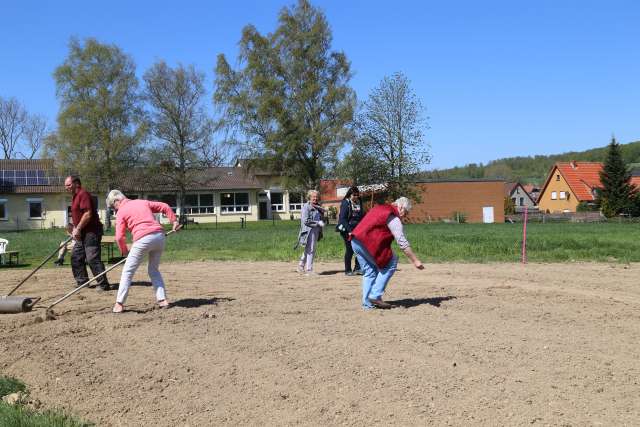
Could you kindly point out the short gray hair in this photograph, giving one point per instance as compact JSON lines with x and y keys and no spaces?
{"x":113,"y":196}
{"x":403,"y":203}
{"x":310,"y":192}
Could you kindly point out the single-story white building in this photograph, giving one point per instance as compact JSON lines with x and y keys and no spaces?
{"x":32,"y":195}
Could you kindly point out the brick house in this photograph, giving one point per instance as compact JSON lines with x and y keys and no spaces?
{"x":475,"y":200}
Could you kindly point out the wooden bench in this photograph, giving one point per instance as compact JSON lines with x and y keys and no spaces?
{"x":109,"y":243}
{"x":9,"y":256}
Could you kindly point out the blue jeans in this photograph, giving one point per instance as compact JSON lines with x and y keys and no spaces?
{"x":374,"y":279}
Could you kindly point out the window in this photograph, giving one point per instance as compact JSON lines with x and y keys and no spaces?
{"x":35,"y":208}
{"x":132,"y":196}
{"x":3,"y":209}
{"x":277,"y":202}
{"x":198,"y":204}
{"x":563,"y":195}
{"x":234,"y":202}
{"x":554,"y":195}
{"x":169,"y":199}
{"x":295,"y":201}
{"x":558,"y":177}
{"x":521,"y":201}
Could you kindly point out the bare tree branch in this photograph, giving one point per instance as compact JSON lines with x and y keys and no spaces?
{"x":34,"y":134}
{"x":13,"y":119}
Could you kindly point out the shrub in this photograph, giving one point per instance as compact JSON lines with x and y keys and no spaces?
{"x":333,"y":212}
{"x":459,"y":217}
{"x":10,"y":385}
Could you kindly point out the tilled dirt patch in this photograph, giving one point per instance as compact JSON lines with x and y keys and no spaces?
{"x":256,"y":343}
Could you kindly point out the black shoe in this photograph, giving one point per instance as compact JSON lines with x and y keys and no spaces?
{"x":59,"y":262}
{"x":104,"y":288}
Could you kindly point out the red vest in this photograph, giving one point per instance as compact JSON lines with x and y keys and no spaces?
{"x":374,"y":235}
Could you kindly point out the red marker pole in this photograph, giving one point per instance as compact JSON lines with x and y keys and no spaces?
{"x":524,"y":236}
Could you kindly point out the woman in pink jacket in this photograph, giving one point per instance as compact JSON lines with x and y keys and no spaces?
{"x":148,"y":238}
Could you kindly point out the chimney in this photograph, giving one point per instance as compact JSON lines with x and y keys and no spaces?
{"x":574,"y":165}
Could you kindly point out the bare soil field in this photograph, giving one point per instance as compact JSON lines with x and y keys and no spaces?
{"x":258,"y":344}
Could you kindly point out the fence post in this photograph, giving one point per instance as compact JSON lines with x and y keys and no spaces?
{"x":524,"y":236}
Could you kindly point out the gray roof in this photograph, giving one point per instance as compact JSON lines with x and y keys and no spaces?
{"x":216,"y":178}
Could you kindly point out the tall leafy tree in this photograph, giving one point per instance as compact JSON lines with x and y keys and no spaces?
{"x":390,"y":136}
{"x":100,"y":124}
{"x":180,"y":124}
{"x":616,"y":193}
{"x":289,"y":101}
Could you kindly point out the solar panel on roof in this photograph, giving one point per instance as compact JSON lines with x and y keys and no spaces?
{"x":29,"y":177}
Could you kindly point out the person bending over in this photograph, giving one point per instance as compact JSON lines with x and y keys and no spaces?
{"x":371,"y":241}
{"x":148,"y":238}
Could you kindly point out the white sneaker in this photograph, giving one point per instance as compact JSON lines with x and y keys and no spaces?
{"x":310,"y":274}
{"x":300,"y":269}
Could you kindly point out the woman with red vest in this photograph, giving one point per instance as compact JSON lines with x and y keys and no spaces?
{"x":371,"y":241}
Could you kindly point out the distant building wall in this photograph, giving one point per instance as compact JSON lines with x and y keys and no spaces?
{"x":32,"y":211}
{"x":441,"y":200}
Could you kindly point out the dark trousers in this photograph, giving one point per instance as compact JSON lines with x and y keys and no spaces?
{"x":87,"y":251}
{"x":348,"y":255}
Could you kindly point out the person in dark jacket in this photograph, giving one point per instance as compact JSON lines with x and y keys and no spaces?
{"x":351,"y":212}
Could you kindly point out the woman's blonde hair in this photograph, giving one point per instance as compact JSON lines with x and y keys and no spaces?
{"x":113,"y":196}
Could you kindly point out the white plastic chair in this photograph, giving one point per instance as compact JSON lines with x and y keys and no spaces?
{"x":3,"y":249}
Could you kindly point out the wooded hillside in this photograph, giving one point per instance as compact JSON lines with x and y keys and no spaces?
{"x":531,"y":169}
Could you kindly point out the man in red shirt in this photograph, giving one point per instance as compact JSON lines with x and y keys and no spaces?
{"x":87,"y":233}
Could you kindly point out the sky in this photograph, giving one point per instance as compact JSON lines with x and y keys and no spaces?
{"x":496,"y":78}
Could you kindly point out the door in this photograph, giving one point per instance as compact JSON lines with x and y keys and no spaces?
{"x":487,"y":214}
{"x":262,"y":211}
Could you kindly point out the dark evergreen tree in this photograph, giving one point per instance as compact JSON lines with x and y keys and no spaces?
{"x":616,"y":193}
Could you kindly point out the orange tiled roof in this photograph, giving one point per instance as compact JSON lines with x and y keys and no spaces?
{"x":582,"y":177}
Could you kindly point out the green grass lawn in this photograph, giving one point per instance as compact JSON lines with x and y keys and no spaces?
{"x":21,"y":416}
{"x":555,"y":242}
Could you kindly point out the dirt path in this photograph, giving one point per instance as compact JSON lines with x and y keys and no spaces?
{"x":255,"y":344}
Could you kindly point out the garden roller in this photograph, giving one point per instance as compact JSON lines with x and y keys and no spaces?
{"x":15,"y":304}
